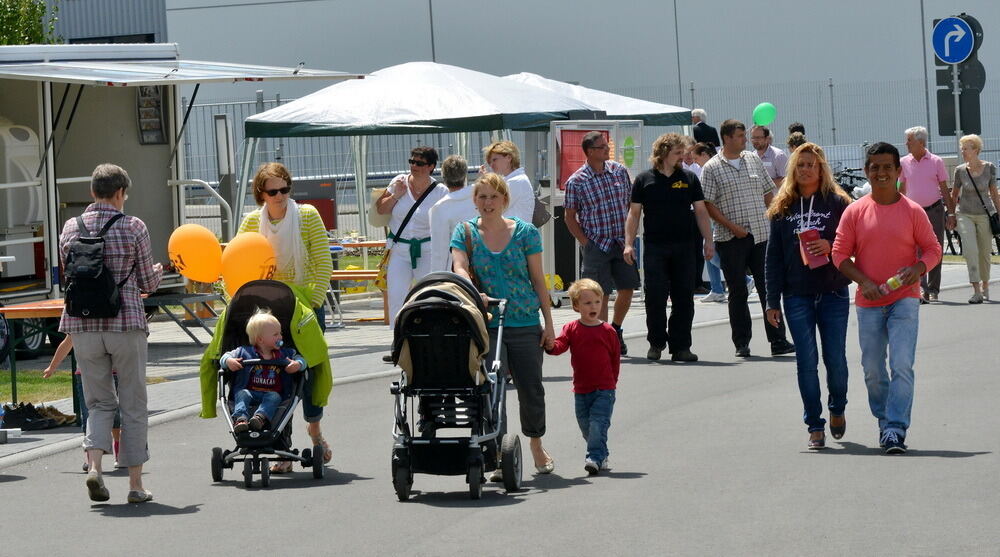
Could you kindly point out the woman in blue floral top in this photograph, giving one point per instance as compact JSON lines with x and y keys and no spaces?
{"x":507,"y":260}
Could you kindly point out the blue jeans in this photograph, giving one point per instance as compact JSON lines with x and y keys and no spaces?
{"x":267,"y":403}
{"x":893,"y":327}
{"x":593,"y":413}
{"x":715,"y":275}
{"x":827,"y":312}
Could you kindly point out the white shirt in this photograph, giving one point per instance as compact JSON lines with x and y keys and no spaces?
{"x":522,"y":196}
{"x":452,"y":209}
{"x":420,"y":224}
{"x":693,"y":167}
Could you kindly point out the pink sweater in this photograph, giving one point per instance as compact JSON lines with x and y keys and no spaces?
{"x":882,"y":239}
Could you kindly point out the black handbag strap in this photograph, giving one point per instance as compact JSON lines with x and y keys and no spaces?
{"x":976,"y":189}
{"x":406,"y":219}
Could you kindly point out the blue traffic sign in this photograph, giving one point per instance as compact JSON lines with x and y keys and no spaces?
{"x":953,"y":40}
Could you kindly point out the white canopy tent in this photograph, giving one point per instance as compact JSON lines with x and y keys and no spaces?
{"x":416,"y":97}
{"x":617,"y":107}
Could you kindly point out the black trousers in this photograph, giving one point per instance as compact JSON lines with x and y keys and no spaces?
{"x":738,"y":256}
{"x":669,"y":271}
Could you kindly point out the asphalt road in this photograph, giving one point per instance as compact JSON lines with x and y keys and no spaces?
{"x":709,"y":459}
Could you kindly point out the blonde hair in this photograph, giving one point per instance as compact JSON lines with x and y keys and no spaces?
{"x":503,"y":148}
{"x":973,"y":141}
{"x":258,"y":321}
{"x":265,"y":172}
{"x":496,"y":182}
{"x":584,"y":285}
{"x":789,"y":191}
{"x":662,"y":147}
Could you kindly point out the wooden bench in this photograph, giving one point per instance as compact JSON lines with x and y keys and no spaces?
{"x":362,"y":275}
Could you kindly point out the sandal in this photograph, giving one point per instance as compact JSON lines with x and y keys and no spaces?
{"x":281,"y":467}
{"x":327,"y":451}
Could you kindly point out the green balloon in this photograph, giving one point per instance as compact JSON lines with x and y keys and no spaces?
{"x":764,"y":114}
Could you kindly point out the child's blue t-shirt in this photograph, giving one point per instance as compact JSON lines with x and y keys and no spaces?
{"x":505,"y":274}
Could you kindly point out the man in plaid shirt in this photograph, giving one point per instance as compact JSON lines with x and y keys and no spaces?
{"x":115,"y":343}
{"x":597,"y":203}
{"x":737,"y":192}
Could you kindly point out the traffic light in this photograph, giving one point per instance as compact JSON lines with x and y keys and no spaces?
{"x":972,"y":79}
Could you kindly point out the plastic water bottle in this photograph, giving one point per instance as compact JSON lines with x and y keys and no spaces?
{"x":891,"y":284}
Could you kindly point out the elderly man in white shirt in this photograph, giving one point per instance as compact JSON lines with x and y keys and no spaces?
{"x":504,"y":158}
{"x":452,"y":209}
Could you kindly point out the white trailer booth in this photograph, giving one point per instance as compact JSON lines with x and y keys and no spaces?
{"x":66,"y":108}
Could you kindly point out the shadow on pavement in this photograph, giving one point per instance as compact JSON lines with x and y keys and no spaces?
{"x":144,"y":510}
{"x":857,"y":449}
{"x":294,"y":480}
{"x":6,"y":479}
{"x":493,"y":496}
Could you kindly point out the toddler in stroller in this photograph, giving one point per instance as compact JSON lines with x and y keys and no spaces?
{"x":260,"y":371}
{"x":260,"y":386}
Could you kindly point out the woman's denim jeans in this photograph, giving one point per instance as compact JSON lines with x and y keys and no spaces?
{"x":892,"y":327}
{"x":828,"y":313}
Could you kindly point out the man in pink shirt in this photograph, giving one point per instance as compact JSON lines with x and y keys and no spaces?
{"x":883,"y":232}
{"x":925,"y":181}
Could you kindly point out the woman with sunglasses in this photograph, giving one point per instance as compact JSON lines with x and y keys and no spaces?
{"x":410,"y":258}
{"x":805,"y":214}
{"x":302,"y":250}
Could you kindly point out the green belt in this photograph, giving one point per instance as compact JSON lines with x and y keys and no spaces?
{"x":414,"y":243}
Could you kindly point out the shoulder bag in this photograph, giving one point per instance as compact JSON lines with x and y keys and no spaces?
{"x":381,"y":281}
{"x":375,"y":218}
{"x":468,"y":251}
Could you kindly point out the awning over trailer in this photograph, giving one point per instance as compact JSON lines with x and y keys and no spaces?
{"x":137,"y":65}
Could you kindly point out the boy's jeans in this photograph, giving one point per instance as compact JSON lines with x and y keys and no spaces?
{"x":893,"y":327}
{"x":246,"y":399}
{"x":593,"y":413}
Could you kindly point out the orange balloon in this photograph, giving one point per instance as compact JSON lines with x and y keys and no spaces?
{"x":249,"y":256}
{"x":195,"y":252}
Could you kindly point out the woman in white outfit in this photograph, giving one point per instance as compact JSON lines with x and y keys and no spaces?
{"x":411,"y":251}
{"x":505,"y":159}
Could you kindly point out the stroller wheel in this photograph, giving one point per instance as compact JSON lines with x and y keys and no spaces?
{"x":317,"y":462}
{"x":475,"y":479}
{"x":216,"y":464}
{"x":248,"y":473}
{"x":265,"y":472}
{"x":402,"y":480}
{"x":307,"y":458}
{"x":510,"y":462}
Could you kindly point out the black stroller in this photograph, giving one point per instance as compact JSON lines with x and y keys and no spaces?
{"x":441,"y":342}
{"x":277,"y":440}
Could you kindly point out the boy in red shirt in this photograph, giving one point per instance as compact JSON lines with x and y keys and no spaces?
{"x":595,"y":357}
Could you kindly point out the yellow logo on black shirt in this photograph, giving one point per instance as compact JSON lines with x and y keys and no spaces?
{"x":679,"y":185}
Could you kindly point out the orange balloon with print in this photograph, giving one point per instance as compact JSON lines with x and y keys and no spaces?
{"x":195,"y":252}
{"x":249,"y":256}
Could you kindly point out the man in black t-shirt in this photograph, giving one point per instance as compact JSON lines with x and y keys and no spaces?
{"x":667,"y":194}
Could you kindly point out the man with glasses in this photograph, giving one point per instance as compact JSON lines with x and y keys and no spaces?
{"x":737,"y":192}
{"x":597,"y":202}
{"x":775,"y":160}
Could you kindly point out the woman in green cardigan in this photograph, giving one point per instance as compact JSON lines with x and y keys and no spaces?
{"x":302,"y":250}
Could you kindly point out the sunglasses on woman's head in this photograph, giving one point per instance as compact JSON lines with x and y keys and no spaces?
{"x":285,"y":190}
{"x":415,"y":162}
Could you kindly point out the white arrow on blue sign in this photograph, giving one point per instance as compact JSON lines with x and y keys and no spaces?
{"x":952,"y":40}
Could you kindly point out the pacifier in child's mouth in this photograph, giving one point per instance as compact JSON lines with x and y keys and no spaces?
{"x":281,"y":343}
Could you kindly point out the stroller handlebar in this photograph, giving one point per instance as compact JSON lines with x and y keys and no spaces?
{"x":261,"y":362}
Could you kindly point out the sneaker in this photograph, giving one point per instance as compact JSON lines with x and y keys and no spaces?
{"x":139,"y":496}
{"x":893,"y":443}
{"x":782,"y":347}
{"x":18,"y":417}
{"x":621,"y":339}
{"x":986,"y":294}
{"x":713,"y":297}
{"x":257,"y":422}
{"x":976,"y":298}
{"x":654,"y":352}
{"x":95,"y":487}
{"x":684,"y":356}
{"x":932,"y":297}
{"x":591,"y":467}
{"x":241,"y":426}
{"x":743,"y":351}
{"x":605,"y":465}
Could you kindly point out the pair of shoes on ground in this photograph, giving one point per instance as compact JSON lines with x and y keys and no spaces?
{"x":27,"y":417}
{"x":892,"y":442}
{"x":593,"y":467}
{"x":621,"y":338}
{"x":838,"y":426}
{"x":547,"y":468}
{"x":655,"y":352}
{"x":777,"y":349}
{"x":714,"y":297}
{"x":976,"y":298}
{"x":99,"y":493}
